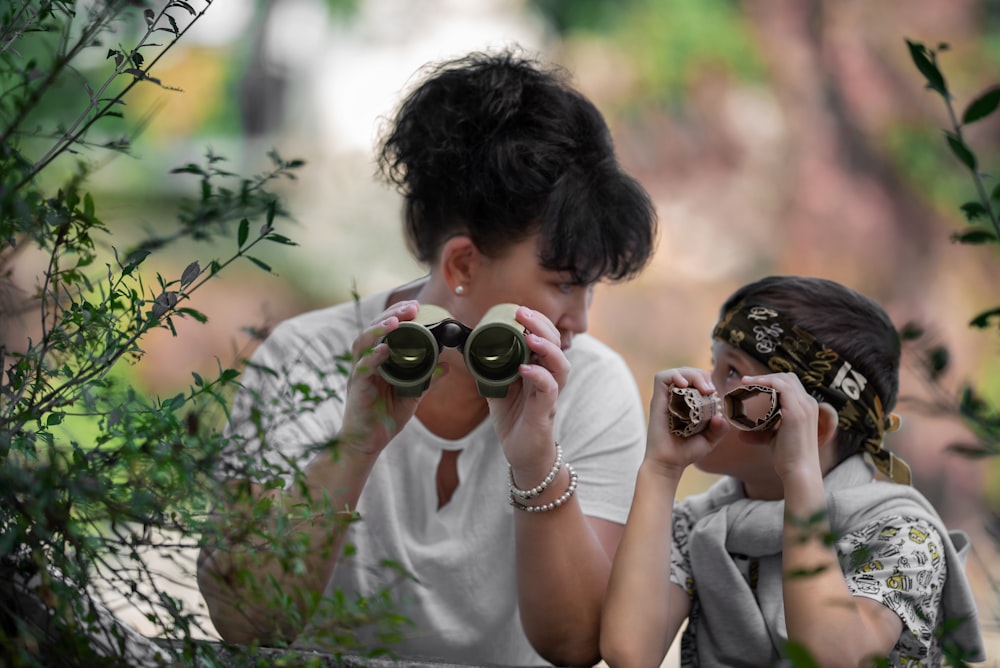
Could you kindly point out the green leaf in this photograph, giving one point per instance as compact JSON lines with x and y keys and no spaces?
{"x":911,"y":331}
{"x":982,"y":106}
{"x":281,"y":239}
{"x":922,"y":58}
{"x":938,"y":359}
{"x":982,"y":320}
{"x":53,"y":419}
{"x":272,"y":209}
{"x":133,"y":260}
{"x":198,"y":380}
{"x":970,"y":451}
{"x":961,"y":151}
{"x":974,"y":237}
{"x":173,"y":403}
{"x":973,"y":211}
{"x":799,"y":655}
{"x":228,"y":375}
{"x":183,"y":5}
{"x":189,"y":168}
{"x":263,"y":265}
{"x":190,"y":273}
{"x":243,"y":233}
{"x":197,"y":315}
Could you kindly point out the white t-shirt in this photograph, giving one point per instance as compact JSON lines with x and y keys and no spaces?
{"x":464,"y":601}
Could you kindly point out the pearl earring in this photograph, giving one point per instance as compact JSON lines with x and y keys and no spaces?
{"x":459,"y":289}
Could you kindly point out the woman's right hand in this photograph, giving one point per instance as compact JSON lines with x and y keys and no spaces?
{"x":667,"y":450}
{"x":373,"y":412}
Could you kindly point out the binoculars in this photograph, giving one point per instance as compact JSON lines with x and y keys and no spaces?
{"x":493,"y":350}
{"x":749,"y":408}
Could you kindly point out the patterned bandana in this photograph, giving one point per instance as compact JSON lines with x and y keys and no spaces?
{"x":782,"y":346}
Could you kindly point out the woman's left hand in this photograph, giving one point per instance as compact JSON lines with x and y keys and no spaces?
{"x":525,"y":418}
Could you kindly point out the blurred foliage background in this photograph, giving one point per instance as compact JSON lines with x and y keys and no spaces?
{"x":776,"y":136}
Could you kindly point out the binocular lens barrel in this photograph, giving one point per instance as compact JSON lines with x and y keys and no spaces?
{"x":495,"y":350}
{"x":409,"y":354}
{"x":496,"y":354}
{"x":412,"y":357}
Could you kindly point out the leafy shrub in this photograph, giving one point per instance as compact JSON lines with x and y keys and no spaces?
{"x":93,"y":473}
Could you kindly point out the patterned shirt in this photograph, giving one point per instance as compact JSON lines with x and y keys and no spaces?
{"x":897,"y":561}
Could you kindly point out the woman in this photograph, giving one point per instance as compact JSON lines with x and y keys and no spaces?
{"x":506,"y":511}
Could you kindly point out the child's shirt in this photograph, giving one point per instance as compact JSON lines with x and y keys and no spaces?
{"x":896,"y":561}
{"x":891,"y":545}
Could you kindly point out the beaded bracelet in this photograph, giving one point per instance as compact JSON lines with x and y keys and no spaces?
{"x":540,"y":487}
{"x":551,"y":505}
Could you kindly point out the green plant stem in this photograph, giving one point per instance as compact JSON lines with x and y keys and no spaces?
{"x":976,"y":176}
{"x":87,"y":37}
{"x":15,"y":31}
{"x":97,"y":368}
{"x":86,"y":119}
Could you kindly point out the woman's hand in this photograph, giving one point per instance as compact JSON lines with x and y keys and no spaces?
{"x":525,"y":418}
{"x":668,"y":451}
{"x":373,"y":412}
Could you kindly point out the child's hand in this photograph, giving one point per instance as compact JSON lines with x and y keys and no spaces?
{"x":794,"y":442}
{"x":671,"y":452}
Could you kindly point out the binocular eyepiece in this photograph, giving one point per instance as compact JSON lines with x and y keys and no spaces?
{"x":493,"y":351}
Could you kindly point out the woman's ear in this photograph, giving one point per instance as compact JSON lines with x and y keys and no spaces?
{"x":826,"y":430}
{"x":459,"y":260}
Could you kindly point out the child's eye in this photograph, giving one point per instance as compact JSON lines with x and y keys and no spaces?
{"x":565,"y":288}
{"x":731,"y":372}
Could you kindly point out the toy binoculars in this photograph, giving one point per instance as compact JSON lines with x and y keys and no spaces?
{"x":494,"y":350}
{"x":749,"y":408}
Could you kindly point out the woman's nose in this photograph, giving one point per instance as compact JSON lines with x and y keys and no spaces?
{"x":575,"y":319}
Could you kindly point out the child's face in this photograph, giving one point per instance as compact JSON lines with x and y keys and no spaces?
{"x":742,"y":455}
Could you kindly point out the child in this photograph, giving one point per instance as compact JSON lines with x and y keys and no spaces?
{"x":799,"y":545}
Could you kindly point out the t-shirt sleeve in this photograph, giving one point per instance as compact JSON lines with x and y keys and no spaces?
{"x":899,"y":561}
{"x":289,"y":403}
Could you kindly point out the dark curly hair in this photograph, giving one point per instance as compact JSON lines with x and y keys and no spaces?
{"x":498,"y":147}
{"x":846,"y":321}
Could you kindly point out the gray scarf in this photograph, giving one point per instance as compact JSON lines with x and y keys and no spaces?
{"x":733,"y":629}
